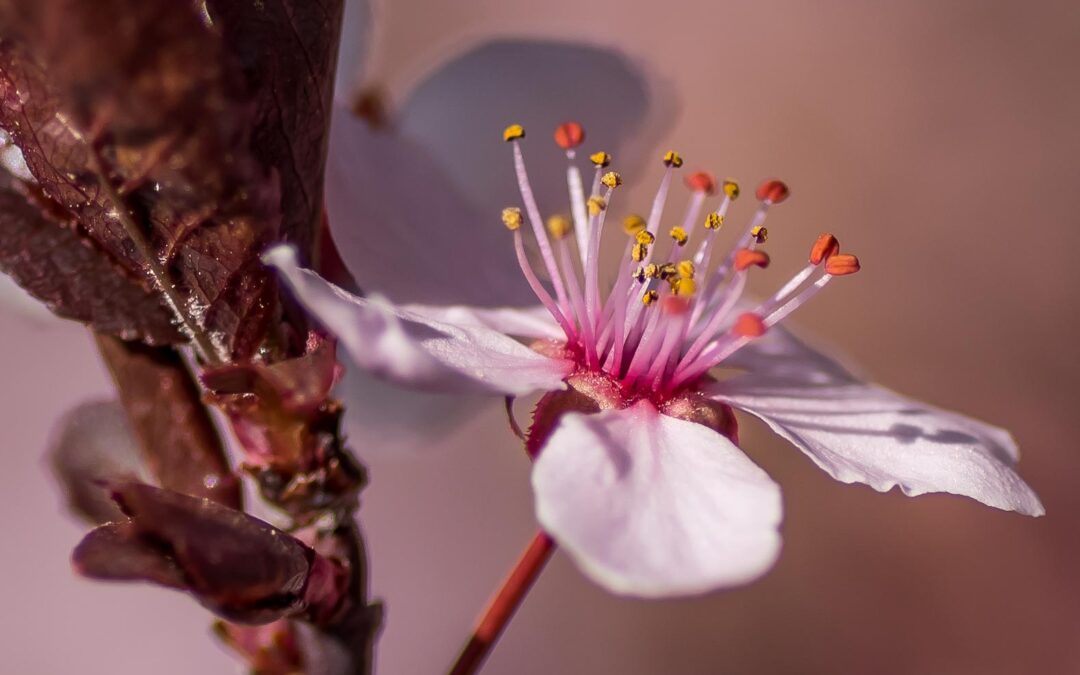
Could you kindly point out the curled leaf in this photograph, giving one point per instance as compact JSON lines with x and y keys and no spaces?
{"x":241,"y":568}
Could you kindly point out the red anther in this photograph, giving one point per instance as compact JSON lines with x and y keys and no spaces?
{"x":674,"y":305}
{"x":744,"y":258}
{"x":824,"y":248}
{"x":569,"y":135}
{"x":701,"y":181}
{"x":749,"y":325}
{"x":773,"y":191}
{"x":840,"y":265}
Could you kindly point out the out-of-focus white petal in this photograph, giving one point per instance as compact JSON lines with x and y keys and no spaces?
{"x":862,"y":433}
{"x":458,"y":113}
{"x":410,"y":349}
{"x":526,"y":322}
{"x":653,"y":506}
{"x":406,"y":231}
{"x":396,"y":420}
{"x":93,"y":442}
{"x":357,"y":37}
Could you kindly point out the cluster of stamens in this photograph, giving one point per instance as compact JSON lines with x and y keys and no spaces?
{"x":663,"y":323}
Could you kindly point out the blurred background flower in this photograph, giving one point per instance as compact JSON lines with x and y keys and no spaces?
{"x":941,"y":137}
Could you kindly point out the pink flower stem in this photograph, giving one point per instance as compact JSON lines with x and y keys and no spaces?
{"x":502,"y":607}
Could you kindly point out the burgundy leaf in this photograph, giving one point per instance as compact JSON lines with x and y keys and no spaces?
{"x":287,"y":50}
{"x":116,"y":552}
{"x":242,"y":568}
{"x":141,"y":98}
{"x":179,"y":442}
{"x":44,"y":253}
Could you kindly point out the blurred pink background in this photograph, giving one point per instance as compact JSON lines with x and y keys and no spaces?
{"x":939,"y":141}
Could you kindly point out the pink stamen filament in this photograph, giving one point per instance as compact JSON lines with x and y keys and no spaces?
{"x":538,"y":288}
{"x":577,"y":203}
{"x":537,"y":223}
{"x":648,"y":350}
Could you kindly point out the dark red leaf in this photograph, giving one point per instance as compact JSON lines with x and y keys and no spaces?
{"x":71,"y":274}
{"x":179,"y":442}
{"x":146,"y":92}
{"x":287,"y":51}
{"x":240,"y":567}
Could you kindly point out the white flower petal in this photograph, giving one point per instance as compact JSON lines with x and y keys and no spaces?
{"x":652,"y":506}
{"x":538,"y":84}
{"x":357,"y":36}
{"x":862,"y":433}
{"x":527,"y":322}
{"x":406,"y":232}
{"x":410,"y":349}
{"x":397,"y":420}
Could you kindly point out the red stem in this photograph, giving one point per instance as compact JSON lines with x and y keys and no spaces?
{"x":502,"y":607}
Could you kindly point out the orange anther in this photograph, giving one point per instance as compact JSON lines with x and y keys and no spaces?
{"x":569,"y":135}
{"x":773,"y":191}
{"x":744,"y":258}
{"x":701,"y":181}
{"x":824,"y":248}
{"x":840,"y":265}
{"x":749,"y":325}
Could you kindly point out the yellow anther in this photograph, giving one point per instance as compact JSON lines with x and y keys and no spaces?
{"x":559,"y":226}
{"x":639,"y":252}
{"x":513,"y":132}
{"x":596,"y":205}
{"x":731,"y":189}
{"x":600,"y":159}
{"x":633,"y":224}
{"x":684,"y":287}
{"x":760,"y":234}
{"x":612,"y":179}
{"x":652,"y":270}
{"x":672,"y":158}
{"x":686,"y":269}
{"x":645,"y":237}
{"x":714,"y":221}
{"x":679,"y":235}
{"x":511,"y":218}
{"x":640,"y":275}
{"x":667,"y":271}
{"x":649,"y":298}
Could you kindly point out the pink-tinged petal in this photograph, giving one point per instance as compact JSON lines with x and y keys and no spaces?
{"x":395,"y":420}
{"x":357,"y":37}
{"x":538,"y":84}
{"x":862,"y":433}
{"x":526,"y":322}
{"x":653,"y":506}
{"x":406,"y":232}
{"x":410,"y":349}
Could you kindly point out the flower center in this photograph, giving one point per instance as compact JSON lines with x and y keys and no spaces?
{"x":664,"y":322}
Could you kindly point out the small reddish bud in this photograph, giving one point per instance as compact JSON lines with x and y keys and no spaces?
{"x":744,"y":258}
{"x":773,"y":191}
{"x":749,"y":325}
{"x":824,"y":248}
{"x":569,"y":135}
{"x":841,"y":265}
{"x":701,"y":181}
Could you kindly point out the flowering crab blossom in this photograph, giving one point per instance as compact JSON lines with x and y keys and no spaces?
{"x":637,"y":471}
